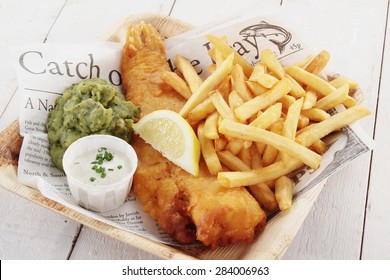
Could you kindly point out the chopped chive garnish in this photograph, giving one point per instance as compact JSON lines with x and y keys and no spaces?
{"x":102,"y":155}
{"x":100,"y":170}
{"x":108,"y":156}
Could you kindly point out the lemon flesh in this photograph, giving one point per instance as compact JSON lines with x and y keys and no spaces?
{"x":170,"y":134}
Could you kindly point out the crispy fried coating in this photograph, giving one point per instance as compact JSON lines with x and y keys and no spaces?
{"x":188,"y":208}
{"x":143,"y":61}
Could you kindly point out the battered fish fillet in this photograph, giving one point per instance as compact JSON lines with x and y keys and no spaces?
{"x":188,"y":208}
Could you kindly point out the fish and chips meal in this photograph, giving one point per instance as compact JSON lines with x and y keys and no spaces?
{"x":216,"y":156}
{"x":255,"y":125}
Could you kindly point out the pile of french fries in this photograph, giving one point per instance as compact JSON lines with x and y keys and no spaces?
{"x":256,"y":125}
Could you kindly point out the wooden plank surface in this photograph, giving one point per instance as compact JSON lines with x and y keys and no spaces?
{"x":353,"y":31}
{"x":205,"y":11}
{"x":93,"y":245}
{"x":333,"y":229}
{"x":28,"y":231}
{"x":376,"y":238}
{"x":89,"y":20}
{"x":21,"y":22}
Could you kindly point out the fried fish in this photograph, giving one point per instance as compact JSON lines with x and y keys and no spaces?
{"x":186,"y":207}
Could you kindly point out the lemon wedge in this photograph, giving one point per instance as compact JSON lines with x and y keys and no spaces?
{"x":170,"y":134}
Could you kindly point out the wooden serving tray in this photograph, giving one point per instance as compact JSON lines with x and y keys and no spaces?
{"x":270,"y":244}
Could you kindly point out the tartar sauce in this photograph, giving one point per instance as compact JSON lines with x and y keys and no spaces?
{"x":99,"y":167}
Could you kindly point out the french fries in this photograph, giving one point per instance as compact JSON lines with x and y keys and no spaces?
{"x":251,"y":107}
{"x":255,"y":87}
{"x":258,"y":70}
{"x":269,"y":59}
{"x":318,"y":63}
{"x":336,"y":97}
{"x":208,"y":152}
{"x":177,"y":83}
{"x":245,"y":155}
{"x":283,"y":144}
{"x":311,"y":80}
{"x":334,"y":123}
{"x":234,"y":179}
{"x":265,"y":196}
{"x":211,"y":126}
{"x":221,"y":45}
{"x":211,"y":83}
{"x":201,"y":111}
{"x":310,"y":99}
{"x":188,"y":71}
{"x":292,"y":118}
{"x":220,"y":144}
{"x":235,"y":100}
{"x":319,"y":147}
{"x":222,"y":107}
{"x":270,"y":152}
{"x":235,"y":146}
{"x":267,"y":80}
{"x":239,"y":79}
{"x":270,"y":116}
{"x":284,"y":192}
{"x":232,"y":162}
{"x":263,"y":122}
{"x":315,"y":114}
{"x":340,"y":81}
{"x":297,"y":90}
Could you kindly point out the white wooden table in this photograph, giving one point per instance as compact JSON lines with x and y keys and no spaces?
{"x":350,"y":218}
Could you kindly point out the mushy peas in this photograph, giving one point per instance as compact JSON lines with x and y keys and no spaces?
{"x":90,"y":107}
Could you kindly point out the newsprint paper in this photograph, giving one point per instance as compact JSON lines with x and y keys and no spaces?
{"x":46,"y":70}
